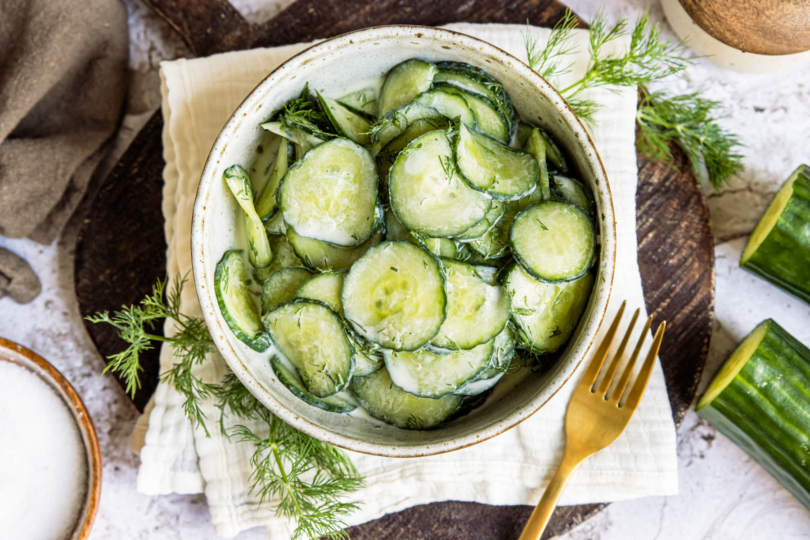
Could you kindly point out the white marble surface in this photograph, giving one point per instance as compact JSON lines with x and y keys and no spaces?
{"x":723,"y":494}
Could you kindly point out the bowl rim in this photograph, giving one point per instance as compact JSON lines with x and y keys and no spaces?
{"x":63,"y":388}
{"x":208,"y":303}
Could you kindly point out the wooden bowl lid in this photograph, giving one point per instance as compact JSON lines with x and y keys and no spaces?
{"x":772,"y":27}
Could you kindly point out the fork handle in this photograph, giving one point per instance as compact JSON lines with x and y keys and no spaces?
{"x":542,"y":512}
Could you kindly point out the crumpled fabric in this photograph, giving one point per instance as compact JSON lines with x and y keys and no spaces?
{"x":63,"y":81}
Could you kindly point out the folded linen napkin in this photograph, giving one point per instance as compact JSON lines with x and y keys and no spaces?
{"x":198,"y":97}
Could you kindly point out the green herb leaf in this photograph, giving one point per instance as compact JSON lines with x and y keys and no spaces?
{"x":688,"y":121}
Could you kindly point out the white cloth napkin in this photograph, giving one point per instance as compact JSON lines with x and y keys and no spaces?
{"x":198,"y":97}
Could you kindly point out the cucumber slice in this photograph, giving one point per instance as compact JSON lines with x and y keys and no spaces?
{"x":570,"y":191}
{"x":336,"y":404}
{"x":477,"y":81}
{"x":394,"y":296}
{"x":495,"y":244}
{"x":504,"y":344}
{"x":325,"y":287}
{"x":267,"y":203}
{"x":263,"y":163}
{"x":324,"y":256}
{"x":441,"y":247}
{"x":386,"y":157}
{"x":396,"y":122}
{"x":476,"y":311}
{"x":489,"y":166}
{"x":362,"y":102}
{"x":488,"y":274}
{"x":346,"y":122}
{"x":759,"y":399}
{"x":553,"y":241}
{"x":779,"y":248}
{"x":403,"y":83}
{"x":522,"y":135}
{"x":536,"y":145}
{"x":312,"y":337}
{"x":259,"y":251}
{"x":385,"y":401}
{"x":481,"y":384}
{"x":555,"y":157}
{"x":235,"y":301}
{"x":450,"y":105}
{"x":302,"y":140}
{"x":282,"y":286}
{"x":489,"y":120}
{"x":331,"y":194}
{"x":275,"y":225}
{"x":430,"y":375}
{"x":427,"y":195}
{"x":284,"y":257}
{"x":495,"y":212}
{"x":546,"y":313}
{"x":366,"y":364}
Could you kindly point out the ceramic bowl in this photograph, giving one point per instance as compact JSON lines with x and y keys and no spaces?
{"x":12,"y":352}
{"x":217,"y":223}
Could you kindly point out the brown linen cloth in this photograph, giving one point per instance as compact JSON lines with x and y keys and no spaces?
{"x":63,"y":77}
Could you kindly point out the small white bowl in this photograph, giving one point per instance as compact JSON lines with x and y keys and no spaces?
{"x":217,"y":222}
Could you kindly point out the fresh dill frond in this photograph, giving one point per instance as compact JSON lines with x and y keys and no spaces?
{"x":649,"y":58}
{"x":307,"y":477}
{"x":690,"y":122}
{"x":233,"y":396}
{"x":190,"y":344}
{"x":547,"y":62}
{"x":305,"y":114}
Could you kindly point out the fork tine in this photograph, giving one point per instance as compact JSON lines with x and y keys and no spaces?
{"x":601,"y":353}
{"x":628,"y":369}
{"x":644,"y":375}
{"x":617,"y":358}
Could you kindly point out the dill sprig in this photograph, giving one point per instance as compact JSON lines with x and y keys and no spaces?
{"x":308,"y":477}
{"x":688,"y":121}
{"x":190,"y":344}
{"x":547,"y":62}
{"x":306,"y":115}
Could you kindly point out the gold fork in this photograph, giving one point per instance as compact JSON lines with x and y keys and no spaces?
{"x":596,"y":414}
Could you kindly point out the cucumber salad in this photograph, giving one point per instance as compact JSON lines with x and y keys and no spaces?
{"x":415,"y":243}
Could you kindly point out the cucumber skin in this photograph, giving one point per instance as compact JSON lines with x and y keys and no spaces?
{"x":261,"y":341}
{"x":783,"y":258}
{"x":764,"y":410}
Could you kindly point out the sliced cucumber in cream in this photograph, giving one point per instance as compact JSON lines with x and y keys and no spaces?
{"x":394,"y":296}
{"x":313,"y":338}
{"x":404,"y":83}
{"x":427,"y":195}
{"x":331,"y":194}
{"x":231,"y":285}
{"x":259,"y":250}
{"x":337,"y":403}
{"x":387,"y":402}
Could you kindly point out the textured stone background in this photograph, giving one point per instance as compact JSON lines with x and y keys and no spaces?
{"x":723,"y":494}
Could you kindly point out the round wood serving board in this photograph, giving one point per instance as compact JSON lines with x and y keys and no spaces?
{"x":121,"y":248}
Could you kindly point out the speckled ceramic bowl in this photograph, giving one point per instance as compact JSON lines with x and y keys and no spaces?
{"x":217,"y":222}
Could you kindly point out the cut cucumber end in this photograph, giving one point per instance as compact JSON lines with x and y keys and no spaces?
{"x":734,"y":364}
{"x":770,"y":217}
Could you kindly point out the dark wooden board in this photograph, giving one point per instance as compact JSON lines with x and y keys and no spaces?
{"x":121,"y":248}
